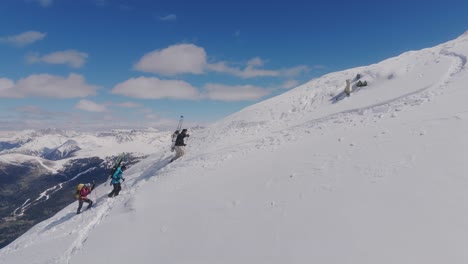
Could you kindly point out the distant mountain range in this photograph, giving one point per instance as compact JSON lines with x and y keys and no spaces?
{"x":40,"y":169}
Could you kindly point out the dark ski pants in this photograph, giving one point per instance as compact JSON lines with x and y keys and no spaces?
{"x":116,"y":190}
{"x":80,"y":204}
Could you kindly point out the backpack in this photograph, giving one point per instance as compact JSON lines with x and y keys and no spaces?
{"x":78,"y":189}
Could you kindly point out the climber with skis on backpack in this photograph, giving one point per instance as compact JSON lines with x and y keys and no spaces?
{"x":82,"y":191}
{"x":116,"y":178}
{"x":174,"y":137}
{"x":180,"y":144}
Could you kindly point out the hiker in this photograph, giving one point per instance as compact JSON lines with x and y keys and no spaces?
{"x":358,"y":76}
{"x":174,"y":137}
{"x":116,"y":177}
{"x":361,"y":84}
{"x":347,"y":89}
{"x":82,"y":190}
{"x":179,"y":144}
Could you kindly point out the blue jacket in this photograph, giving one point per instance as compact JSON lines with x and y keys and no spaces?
{"x":118,"y":175}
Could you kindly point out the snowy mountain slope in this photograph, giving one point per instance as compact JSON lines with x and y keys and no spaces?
{"x":416,"y":75}
{"x":53,"y":144}
{"x":36,"y":175}
{"x":66,"y":150}
{"x":19,"y":159}
{"x":55,"y":149}
{"x":374,"y":178}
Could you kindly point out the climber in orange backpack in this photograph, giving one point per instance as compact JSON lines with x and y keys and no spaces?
{"x":82,"y":190}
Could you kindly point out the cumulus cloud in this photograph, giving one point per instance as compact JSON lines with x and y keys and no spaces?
{"x":72,"y":58}
{"x":154,"y":88}
{"x":176,"y":59}
{"x":90,"y":106}
{"x":23,"y":39}
{"x":254,"y":69}
{"x":170,"y":17}
{"x":234,"y":93}
{"x":248,"y":72}
{"x":5,"y":85}
{"x":47,"y":86}
{"x":257,"y":61}
{"x":192,"y":59}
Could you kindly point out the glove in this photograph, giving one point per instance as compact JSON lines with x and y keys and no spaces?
{"x":123,"y":179}
{"x":185,"y":144}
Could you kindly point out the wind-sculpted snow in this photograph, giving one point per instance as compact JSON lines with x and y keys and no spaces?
{"x":377,"y":177}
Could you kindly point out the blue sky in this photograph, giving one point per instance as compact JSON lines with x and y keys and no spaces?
{"x":97,"y":64}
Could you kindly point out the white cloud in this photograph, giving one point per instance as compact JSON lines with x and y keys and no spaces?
{"x":24,"y":38}
{"x":48,"y":86}
{"x":154,"y":88}
{"x":257,"y":61}
{"x":253,"y":69}
{"x":90,"y":106}
{"x":189,"y":58}
{"x":5,"y":84}
{"x":73,"y":58}
{"x":176,"y":59}
{"x":290,"y":84}
{"x":170,"y":17}
{"x":234,"y":93}
{"x":248,"y":72}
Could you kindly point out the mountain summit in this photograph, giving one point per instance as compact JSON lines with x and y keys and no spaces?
{"x":310,"y":176}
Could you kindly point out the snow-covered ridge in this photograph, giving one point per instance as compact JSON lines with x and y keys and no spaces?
{"x":19,"y":159}
{"x":377,"y":177}
{"x":57,"y":144}
{"x":415,"y":76}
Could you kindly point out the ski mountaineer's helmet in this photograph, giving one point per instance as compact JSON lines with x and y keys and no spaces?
{"x":184,"y":130}
{"x":124,"y":167}
{"x":79,"y":187}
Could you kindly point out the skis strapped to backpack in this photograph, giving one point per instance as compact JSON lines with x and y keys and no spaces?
{"x":181,"y":120}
